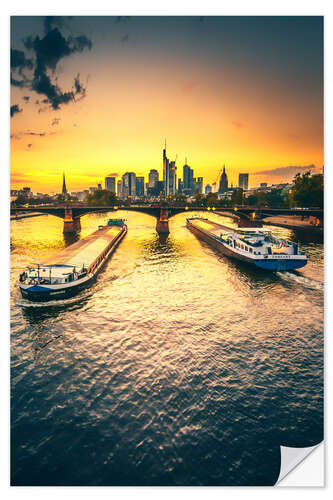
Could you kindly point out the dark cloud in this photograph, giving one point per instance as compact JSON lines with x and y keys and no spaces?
{"x":40,"y":134}
{"x":26,"y":98}
{"x":18,"y":61}
{"x":29,"y":146}
{"x":19,"y":135}
{"x":15,"y":136}
{"x":55,"y":121}
{"x":14,"y":109}
{"x":48,"y":51}
{"x":56,"y":21}
{"x":285,"y":172}
{"x":124,"y":38}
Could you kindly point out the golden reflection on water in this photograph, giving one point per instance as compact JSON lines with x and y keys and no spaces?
{"x":175,"y":352}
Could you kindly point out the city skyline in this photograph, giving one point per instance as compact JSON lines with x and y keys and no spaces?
{"x":211,"y":86}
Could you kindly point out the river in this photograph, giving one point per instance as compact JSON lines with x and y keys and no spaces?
{"x":178,"y":367}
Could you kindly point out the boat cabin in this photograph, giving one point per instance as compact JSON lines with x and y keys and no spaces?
{"x":258,"y":242}
{"x":52,"y":274}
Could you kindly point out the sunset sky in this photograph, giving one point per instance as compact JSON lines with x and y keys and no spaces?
{"x":97,"y":95}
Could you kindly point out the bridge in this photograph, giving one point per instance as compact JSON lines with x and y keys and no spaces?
{"x":247,"y":216}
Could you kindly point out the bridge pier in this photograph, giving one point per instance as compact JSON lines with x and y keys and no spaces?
{"x":71,"y":224}
{"x":162,"y":225}
{"x":244,"y":221}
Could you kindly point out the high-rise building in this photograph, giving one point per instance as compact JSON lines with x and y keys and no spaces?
{"x":199,"y":185}
{"x":188,"y":182}
{"x":28,"y":194}
{"x":169,"y":174}
{"x":159,"y":188}
{"x":153,"y":177}
{"x":99,"y":186}
{"x":64,"y":188}
{"x":263,"y":184}
{"x":119,"y":189}
{"x":92,"y":189}
{"x":223,"y":186}
{"x":128,"y":187}
{"x":165,"y":171}
{"x":208,"y":189}
{"x":243,"y":181}
{"x":140,"y":186}
{"x":172,"y":178}
{"x":110,"y":184}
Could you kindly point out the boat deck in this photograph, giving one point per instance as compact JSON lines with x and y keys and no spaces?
{"x":85,"y":251}
{"x":210,"y":227}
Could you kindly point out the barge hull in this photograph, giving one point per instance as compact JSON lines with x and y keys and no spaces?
{"x":98,"y":246}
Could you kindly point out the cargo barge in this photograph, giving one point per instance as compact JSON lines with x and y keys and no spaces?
{"x":255,"y":246}
{"x":74,"y":268}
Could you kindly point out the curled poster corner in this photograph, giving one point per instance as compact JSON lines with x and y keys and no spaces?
{"x":291,"y":457}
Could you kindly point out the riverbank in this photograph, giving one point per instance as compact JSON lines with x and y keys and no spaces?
{"x":227,"y":214}
{"x":25,"y":216}
{"x":291,"y":222}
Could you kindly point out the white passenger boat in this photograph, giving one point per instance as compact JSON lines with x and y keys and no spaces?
{"x":255,"y":246}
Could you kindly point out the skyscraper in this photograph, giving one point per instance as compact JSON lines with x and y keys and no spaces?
{"x":199,"y":185}
{"x":128,"y":187}
{"x":223,"y":182}
{"x":208,"y":189}
{"x":243,"y":181}
{"x":187,"y":178}
{"x":152,"y":178}
{"x":64,"y":188}
{"x":172,"y":178}
{"x":140,"y":186}
{"x":166,"y":170}
{"x":110,"y":184}
{"x":119,"y":189}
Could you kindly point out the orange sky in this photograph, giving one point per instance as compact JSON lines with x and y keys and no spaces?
{"x":213,"y":114}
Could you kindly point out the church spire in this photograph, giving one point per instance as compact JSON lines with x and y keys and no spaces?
{"x":64,"y":189}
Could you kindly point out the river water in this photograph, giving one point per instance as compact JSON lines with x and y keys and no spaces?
{"x":178,"y":367}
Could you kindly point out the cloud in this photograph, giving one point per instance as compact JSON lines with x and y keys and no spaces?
{"x":15,"y":178}
{"x":29,"y":146}
{"x":285,"y":172}
{"x":124,"y":38}
{"x":113,"y":175}
{"x":48,"y":51}
{"x":19,"y":135}
{"x":238,"y":124}
{"x":40,"y":134}
{"x":14,"y":109}
{"x":58,"y":21}
{"x":26,"y":98}
{"x":55,"y":121}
